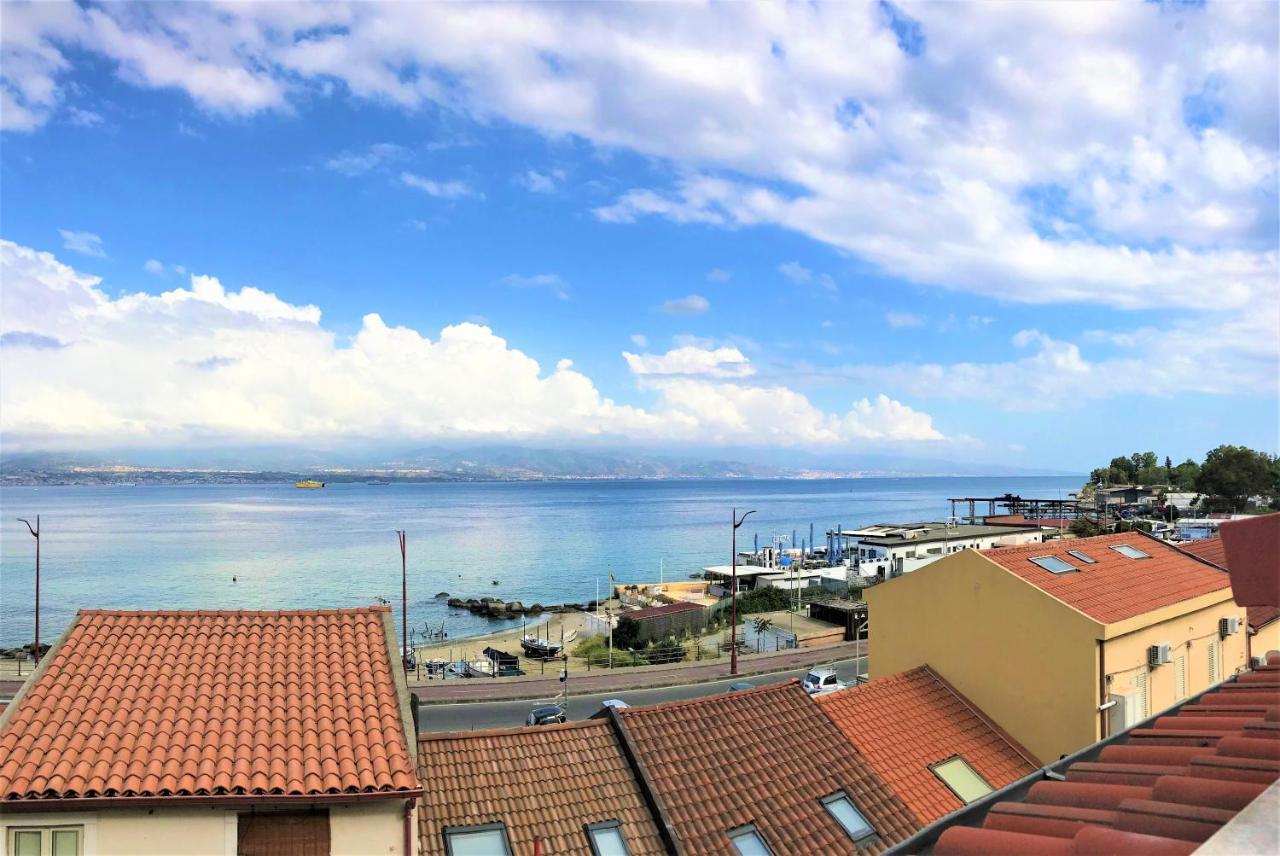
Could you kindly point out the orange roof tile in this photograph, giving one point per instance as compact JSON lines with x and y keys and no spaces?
{"x":1211,"y":550}
{"x":543,"y":783}
{"x":1115,"y":587}
{"x":905,"y":723}
{"x":210,"y":704}
{"x":765,"y":756}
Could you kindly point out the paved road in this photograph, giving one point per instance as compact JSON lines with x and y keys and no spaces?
{"x":507,"y":714}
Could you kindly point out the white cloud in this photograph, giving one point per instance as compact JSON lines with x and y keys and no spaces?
{"x":442,"y":189}
{"x":84,"y":118}
{"x":724,"y":362}
{"x":540,"y":182}
{"x":363,"y":161}
{"x":154,"y":266}
{"x":84,"y":243}
{"x":898,"y":320}
{"x":801,"y":275}
{"x":550,"y":281}
{"x":205,"y":364}
{"x":719,"y":275}
{"x":694,"y":304}
{"x":640,"y":340}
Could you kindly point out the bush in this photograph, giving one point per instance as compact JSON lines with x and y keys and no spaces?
{"x":763,"y":600}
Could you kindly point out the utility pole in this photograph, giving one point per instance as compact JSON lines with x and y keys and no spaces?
{"x":733,"y":650}
{"x":35,"y":533}
{"x":404,"y":601}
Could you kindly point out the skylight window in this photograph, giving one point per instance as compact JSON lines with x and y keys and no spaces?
{"x":606,"y":839}
{"x":748,"y":841}
{"x":487,"y":840}
{"x":1131,"y":552}
{"x":962,"y":779}
{"x":843,"y":810}
{"x":1053,"y":564}
{"x":1084,"y":557}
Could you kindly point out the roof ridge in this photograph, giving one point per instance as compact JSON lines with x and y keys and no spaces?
{"x":513,"y":731}
{"x":707,"y":699}
{"x":225,"y":613}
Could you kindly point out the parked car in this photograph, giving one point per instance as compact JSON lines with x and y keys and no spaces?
{"x":545,"y":715}
{"x":740,"y":686}
{"x":822,"y":681}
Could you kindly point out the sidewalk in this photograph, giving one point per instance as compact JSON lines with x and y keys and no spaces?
{"x":458,"y":690}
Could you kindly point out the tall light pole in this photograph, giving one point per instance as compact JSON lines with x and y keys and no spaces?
{"x":404,"y":602}
{"x":35,"y":533}
{"x":733,"y":650}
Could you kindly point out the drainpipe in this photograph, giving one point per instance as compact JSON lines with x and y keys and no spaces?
{"x":408,"y":827}
{"x":1103,"y":720}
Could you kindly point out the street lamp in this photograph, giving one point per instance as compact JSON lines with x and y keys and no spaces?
{"x":733,"y":651}
{"x":35,"y":533}
{"x":404,"y":602}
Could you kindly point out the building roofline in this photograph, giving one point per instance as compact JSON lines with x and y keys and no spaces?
{"x":43,"y":666}
{"x":431,"y":736}
{"x":986,"y":720}
{"x":180,"y":800}
{"x":227,"y":613}
{"x":661,"y":819}
{"x":401,"y":683}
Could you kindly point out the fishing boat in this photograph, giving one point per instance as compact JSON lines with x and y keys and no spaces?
{"x":309,"y":484}
{"x":481,"y":669}
{"x":539,"y":649}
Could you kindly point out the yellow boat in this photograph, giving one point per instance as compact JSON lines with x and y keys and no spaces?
{"x":309,"y":483}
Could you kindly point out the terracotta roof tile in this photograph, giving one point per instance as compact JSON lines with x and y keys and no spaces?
{"x":544,"y":783}
{"x":665,"y":609}
{"x":765,"y":756}
{"x":1115,"y":587}
{"x":905,"y":723}
{"x":210,"y":704}
{"x":1211,"y":550}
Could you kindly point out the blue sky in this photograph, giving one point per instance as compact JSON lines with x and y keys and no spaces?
{"x":1004,"y":234}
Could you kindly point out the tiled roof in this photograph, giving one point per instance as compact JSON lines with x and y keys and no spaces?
{"x":666,"y":609}
{"x":767,"y":757}
{"x":210,"y":704}
{"x":1115,"y":587}
{"x":905,"y":723}
{"x":543,"y":783}
{"x":1211,"y":550}
{"x":1164,"y":787}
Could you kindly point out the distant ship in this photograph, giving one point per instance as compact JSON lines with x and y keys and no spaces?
{"x":309,"y":483}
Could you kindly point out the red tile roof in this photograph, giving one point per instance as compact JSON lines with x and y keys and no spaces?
{"x":210,"y":704}
{"x":1115,"y":587}
{"x":767,"y":757}
{"x":666,"y":609}
{"x":905,"y":723}
{"x":1253,"y":557}
{"x":543,"y":784}
{"x":1164,"y":788}
{"x":1212,"y":550}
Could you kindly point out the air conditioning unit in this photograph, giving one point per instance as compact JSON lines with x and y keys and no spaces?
{"x":1227,"y":626}
{"x":1159,"y":654}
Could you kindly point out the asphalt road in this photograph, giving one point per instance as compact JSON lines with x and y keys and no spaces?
{"x":508,"y":714}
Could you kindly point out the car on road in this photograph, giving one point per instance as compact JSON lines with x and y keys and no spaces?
{"x":822,"y":681}
{"x":545,"y":715}
{"x":740,"y":686}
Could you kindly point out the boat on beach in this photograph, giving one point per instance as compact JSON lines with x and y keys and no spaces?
{"x":539,"y":649}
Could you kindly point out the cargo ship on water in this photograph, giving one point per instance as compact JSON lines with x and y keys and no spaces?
{"x":309,"y":484}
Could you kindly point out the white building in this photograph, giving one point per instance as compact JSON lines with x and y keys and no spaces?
{"x":888,"y":550}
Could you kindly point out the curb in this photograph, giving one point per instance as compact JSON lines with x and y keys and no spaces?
{"x":529,"y":696}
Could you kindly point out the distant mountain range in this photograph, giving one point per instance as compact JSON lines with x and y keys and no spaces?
{"x":473,"y":463}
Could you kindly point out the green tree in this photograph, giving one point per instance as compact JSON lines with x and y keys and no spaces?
{"x":1235,"y":473}
{"x":1168,"y":469}
{"x":1184,"y":474}
{"x":1126,"y":467}
{"x":626,"y":633}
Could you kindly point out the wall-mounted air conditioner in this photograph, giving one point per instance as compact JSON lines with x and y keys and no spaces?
{"x":1160,"y":654}
{"x":1227,"y":626}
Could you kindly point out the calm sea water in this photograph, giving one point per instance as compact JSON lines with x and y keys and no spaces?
{"x":177,"y":547}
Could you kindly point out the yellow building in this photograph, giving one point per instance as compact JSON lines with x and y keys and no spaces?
{"x":1065,"y":642}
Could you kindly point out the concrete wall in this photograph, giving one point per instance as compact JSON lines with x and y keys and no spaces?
{"x":1027,"y":660}
{"x":1266,"y":639}
{"x":360,"y":829}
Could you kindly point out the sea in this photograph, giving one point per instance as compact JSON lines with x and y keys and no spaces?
{"x":279,"y":547}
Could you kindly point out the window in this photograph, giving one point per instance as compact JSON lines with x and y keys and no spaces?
{"x":962,"y":779}
{"x":748,"y":841}
{"x":487,"y":840}
{"x":1213,"y":661}
{"x":848,"y":816}
{"x":299,"y":833}
{"x":46,"y":841}
{"x":1053,"y":564}
{"x":1131,"y":552}
{"x":1084,"y":557}
{"x":606,"y":839}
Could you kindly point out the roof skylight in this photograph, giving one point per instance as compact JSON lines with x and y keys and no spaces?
{"x":1131,"y":552}
{"x":848,"y":816}
{"x":1082,"y":556}
{"x":1053,"y":564}
{"x":964,"y":781}
{"x":748,"y":841}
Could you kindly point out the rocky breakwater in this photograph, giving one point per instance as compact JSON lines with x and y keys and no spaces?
{"x":493,"y":607}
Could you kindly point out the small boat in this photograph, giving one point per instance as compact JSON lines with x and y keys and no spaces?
{"x":540,"y":649}
{"x":481,"y":669}
{"x":309,"y":484}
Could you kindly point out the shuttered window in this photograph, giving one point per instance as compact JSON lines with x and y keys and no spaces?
{"x":283,"y":833}
{"x":1144,"y":702}
{"x":1213,"y":662}
{"x":1180,"y":678}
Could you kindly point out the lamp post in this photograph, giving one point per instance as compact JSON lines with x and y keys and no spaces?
{"x":733,"y":649}
{"x":404,"y":602}
{"x":35,"y":533}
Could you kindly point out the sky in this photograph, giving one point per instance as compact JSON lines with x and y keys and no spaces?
{"x":1035,"y":234}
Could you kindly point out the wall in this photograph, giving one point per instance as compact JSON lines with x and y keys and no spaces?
{"x":1266,"y":639}
{"x":1027,"y":660}
{"x":369,"y":828}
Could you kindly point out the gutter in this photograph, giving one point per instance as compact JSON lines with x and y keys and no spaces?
{"x":663,"y":821}
{"x":212,"y":800}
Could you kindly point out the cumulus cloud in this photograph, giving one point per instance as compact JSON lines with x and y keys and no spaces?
{"x":212,"y":364}
{"x":453,"y":189}
{"x":694,"y":304}
{"x":84,"y":243}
